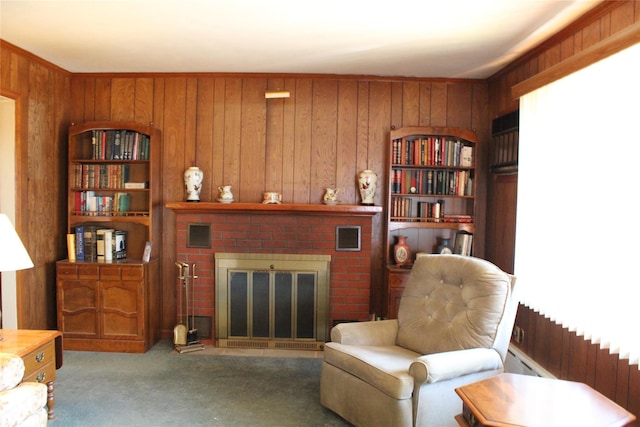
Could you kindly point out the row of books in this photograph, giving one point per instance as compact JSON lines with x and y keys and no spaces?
{"x":432,"y":182}
{"x":93,"y":243}
{"x":119,"y":145}
{"x":100,"y":176}
{"x":406,"y":209}
{"x":87,"y":203}
{"x":431,"y":151}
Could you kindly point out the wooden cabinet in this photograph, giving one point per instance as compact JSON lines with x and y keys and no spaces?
{"x":107,"y":298}
{"x":430,"y":197}
{"x":108,"y":307}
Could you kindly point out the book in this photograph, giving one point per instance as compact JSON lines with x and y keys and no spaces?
{"x":90,"y":245}
{"x":100,"y":247}
{"x":71,"y":246}
{"x":136,"y":185}
{"x":120,"y":244}
{"x":108,"y":244}
{"x":79,"y":240}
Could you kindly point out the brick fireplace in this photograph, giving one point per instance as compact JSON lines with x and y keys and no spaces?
{"x":275,"y":229}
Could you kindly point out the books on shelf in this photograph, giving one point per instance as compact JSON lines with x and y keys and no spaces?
{"x":432,"y":182}
{"x":94,"y":243}
{"x":87,"y":203}
{"x":431,"y":151}
{"x":463,"y":243}
{"x":119,"y":145}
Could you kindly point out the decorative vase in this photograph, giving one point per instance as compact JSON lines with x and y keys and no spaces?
{"x":401,"y":251}
{"x":367,"y":180}
{"x":445,"y":247}
{"x":225,"y":196}
{"x":193,"y":183}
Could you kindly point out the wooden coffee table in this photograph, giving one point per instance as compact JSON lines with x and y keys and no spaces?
{"x":41,"y":351}
{"x":523,"y":400}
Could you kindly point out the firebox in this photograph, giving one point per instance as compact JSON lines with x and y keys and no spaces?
{"x":272,"y":300}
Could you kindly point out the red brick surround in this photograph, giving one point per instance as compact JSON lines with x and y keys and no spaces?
{"x":282,"y":229}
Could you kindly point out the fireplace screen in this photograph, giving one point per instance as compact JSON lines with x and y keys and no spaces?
{"x":271,"y":300}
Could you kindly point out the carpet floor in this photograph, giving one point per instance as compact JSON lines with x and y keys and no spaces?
{"x":203,"y":388}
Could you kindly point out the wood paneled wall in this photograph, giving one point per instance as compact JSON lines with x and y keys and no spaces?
{"x":597,"y":25}
{"x":331,"y":128}
{"x":41,"y":92}
{"x":564,"y":353}
{"x":322,"y":136}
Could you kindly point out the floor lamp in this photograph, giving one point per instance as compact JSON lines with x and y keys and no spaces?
{"x":13,"y":255}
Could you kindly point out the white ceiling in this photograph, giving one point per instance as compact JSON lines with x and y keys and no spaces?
{"x":412,"y":38}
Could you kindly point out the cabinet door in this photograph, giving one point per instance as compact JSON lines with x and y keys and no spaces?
{"x":397,"y":282}
{"x":122,"y":310}
{"x":78,"y":306}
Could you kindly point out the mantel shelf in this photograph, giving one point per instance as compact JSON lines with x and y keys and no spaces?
{"x":282,"y":209}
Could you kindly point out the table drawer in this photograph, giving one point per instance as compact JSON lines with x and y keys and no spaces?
{"x":39,"y":365}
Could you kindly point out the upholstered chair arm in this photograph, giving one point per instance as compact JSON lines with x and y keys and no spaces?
{"x":381,"y":332}
{"x":11,"y":370}
{"x":436,"y":367}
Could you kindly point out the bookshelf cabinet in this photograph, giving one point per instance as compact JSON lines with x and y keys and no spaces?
{"x":107,"y":297}
{"x":430,"y":197}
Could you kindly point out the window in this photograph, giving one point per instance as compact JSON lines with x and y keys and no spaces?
{"x":577,"y":237}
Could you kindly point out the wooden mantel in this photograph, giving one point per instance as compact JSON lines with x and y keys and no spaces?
{"x":283,"y":209}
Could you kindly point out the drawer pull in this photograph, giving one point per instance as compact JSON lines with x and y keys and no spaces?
{"x":41,"y":376}
{"x":40,"y":357}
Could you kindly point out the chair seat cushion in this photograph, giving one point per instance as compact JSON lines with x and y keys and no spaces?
{"x":384,"y":367}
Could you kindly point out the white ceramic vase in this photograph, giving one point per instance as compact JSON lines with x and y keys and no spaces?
{"x":193,"y":183}
{"x":367,"y":180}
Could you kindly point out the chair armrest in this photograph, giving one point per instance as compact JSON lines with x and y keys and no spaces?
{"x":436,"y":367}
{"x":382,"y":332}
{"x":11,"y":370}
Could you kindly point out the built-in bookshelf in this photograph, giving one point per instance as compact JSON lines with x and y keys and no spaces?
{"x":430,"y":198}
{"x":114,"y":173}
{"x":106,"y":289}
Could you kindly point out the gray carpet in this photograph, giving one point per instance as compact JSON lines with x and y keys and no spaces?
{"x":164,"y":388}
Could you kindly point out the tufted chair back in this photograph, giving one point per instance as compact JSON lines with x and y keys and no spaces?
{"x":452,"y":302}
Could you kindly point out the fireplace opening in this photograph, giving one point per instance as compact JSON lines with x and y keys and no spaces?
{"x":272,"y":300}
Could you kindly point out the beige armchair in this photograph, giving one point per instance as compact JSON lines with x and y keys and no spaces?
{"x":454,"y":326}
{"x":21,"y":403}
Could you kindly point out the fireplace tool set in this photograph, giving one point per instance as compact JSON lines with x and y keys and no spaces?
{"x":185,"y":338}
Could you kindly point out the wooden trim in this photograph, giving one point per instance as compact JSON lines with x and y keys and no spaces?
{"x":282,"y":209}
{"x":30,"y":56}
{"x":619,"y":41}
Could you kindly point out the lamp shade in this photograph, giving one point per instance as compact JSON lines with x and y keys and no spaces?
{"x":13,"y":255}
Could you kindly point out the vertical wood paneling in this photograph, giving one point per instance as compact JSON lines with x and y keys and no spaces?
{"x":41,"y":94}
{"x":218,"y":160}
{"x":76,"y":101}
{"x":122,"y":99}
{"x":288,"y":142}
{"x":274,"y":143}
{"x":323,"y":138}
{"x":143,"y":102}
{"x":397,"y":105}
{"x":232,"y":132}
{"x":189,"y":118}
{"x":102,"y":100}
{"x":411,"y":103}
{"x":89,"y":112}
{"x":204,"y":137}
{"x":253,"y":140}
{"x":459,"y":98}
{"x":439,"y":104}
{"x":346,"y":147}
{"x":425,"y":104}
{"x":302,"y":141}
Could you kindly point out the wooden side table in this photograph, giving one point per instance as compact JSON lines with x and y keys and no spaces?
{"x":42,"y":354}
{"x":522,"y":400}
